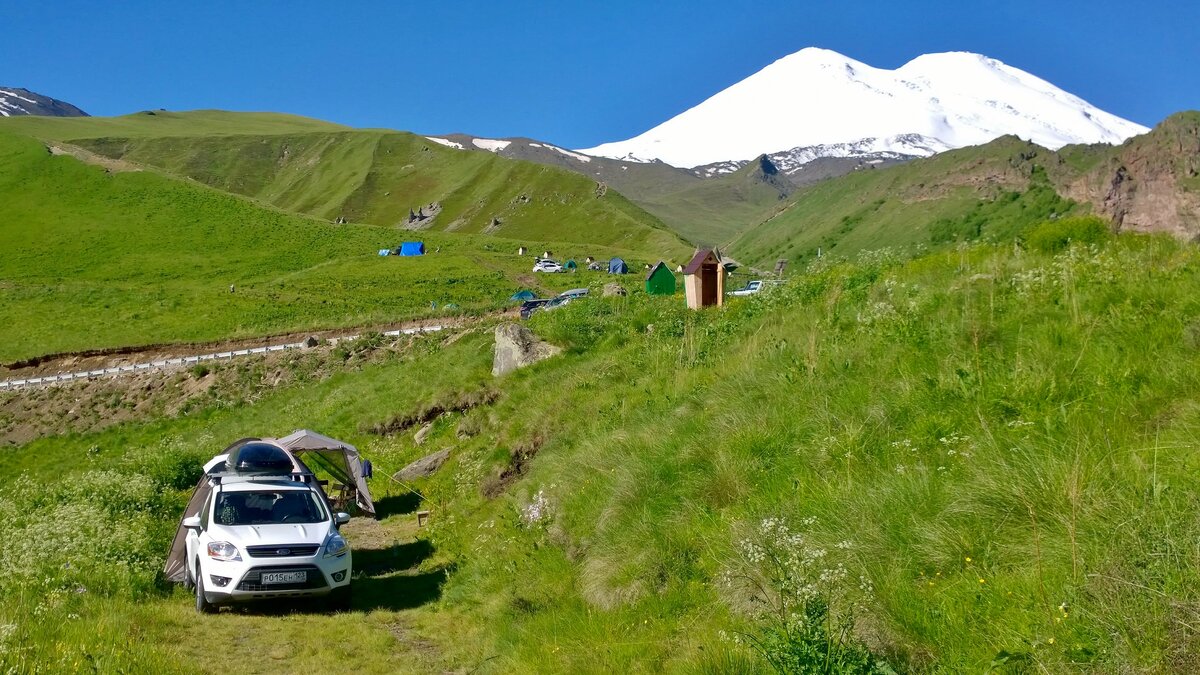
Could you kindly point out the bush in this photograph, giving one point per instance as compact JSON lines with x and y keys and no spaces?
{"x":1053,"y":236}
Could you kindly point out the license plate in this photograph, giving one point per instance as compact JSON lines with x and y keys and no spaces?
{"x":284,"y":577}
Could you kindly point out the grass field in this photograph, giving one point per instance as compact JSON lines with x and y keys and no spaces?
{"x":95,"y":259}
{"x":366,"y":176}
{"x":983,"y":457}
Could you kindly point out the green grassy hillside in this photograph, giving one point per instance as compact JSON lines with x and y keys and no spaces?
{"x":977,"y":460}
{"x":713,"y":211}
{"x":95,"y":259}
{"x":1003,"y":184}
{"x":157,"y":123}
{"x":369,"y":176}
{"x":991,"y":192}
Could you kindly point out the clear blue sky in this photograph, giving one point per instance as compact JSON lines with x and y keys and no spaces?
{"x":574,"y":73}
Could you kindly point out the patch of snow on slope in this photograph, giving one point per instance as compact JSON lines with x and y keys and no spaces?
{"x":568,"y":153}
{"x":490,"y":144}
{"x":446,"y":142}
{"x":16,"y":95}
{"x":818,"y":97}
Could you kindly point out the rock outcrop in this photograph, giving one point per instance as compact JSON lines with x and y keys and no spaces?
{"x":517,"y":347}
{"x":613,"y":289}
{"x":424,"y":467}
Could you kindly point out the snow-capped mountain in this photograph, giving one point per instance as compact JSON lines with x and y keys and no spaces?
{"x":872,"y":150}
{"x":17,"y":101}
{"x":820,"y":103}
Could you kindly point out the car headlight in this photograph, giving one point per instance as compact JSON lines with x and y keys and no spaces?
{"x":223,"y":550}
{"x":336,"y":546}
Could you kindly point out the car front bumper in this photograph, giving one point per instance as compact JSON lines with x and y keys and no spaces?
{"x":227,"y":582}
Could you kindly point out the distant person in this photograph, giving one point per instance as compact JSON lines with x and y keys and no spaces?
{"x":231,"y":288}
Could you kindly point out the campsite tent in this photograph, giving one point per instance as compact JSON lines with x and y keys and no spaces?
{"x":340,"y":460}
{"x":660,"y":280}
{"x":617,"y":266}
{"x":337,"y":458}
{"x":570,"y":266}
{"x":412,"y":248}
{"x":522,"y":296}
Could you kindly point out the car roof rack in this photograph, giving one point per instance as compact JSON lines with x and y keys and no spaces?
{"x":227,"y":477}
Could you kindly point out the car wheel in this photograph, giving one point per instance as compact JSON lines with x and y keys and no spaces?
{"x":188,"y":584}
{"x":202,"y":604}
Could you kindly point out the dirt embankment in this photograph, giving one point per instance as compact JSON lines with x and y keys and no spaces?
{"x":90,"y":405}
{"x":97,"y":359}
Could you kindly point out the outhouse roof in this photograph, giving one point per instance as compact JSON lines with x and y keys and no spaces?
{"x":697,"y":260}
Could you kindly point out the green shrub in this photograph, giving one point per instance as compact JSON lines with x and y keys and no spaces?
{"x":1053,"y":236}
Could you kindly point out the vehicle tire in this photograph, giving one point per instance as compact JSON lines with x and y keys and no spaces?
{"x":188,"y":584}
{"x":202,"y":604}
{"x":340,"y":599}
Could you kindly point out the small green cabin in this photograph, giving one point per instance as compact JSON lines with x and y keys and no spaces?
{"x":660,"y":280}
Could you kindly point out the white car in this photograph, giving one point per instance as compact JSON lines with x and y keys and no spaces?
{"x":548,"y":266}
{"x":265,"y":534}
{"x":750,"y":289}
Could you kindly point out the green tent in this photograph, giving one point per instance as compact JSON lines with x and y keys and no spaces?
{"x":660,"y":280}
{"x":522,"y":296}
{"x":570,"y":266}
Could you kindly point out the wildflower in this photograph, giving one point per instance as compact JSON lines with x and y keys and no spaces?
{"x":968,"y":558}
{"x":1051,"y":640}
{"x":982,"y":581}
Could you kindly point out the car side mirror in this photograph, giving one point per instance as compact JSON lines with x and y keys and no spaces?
{"x":341,"y":518}
{"x":192,"y":522}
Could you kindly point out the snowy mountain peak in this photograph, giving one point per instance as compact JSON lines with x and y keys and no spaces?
{"x":819,"y":98}
{"x":17,"y":101}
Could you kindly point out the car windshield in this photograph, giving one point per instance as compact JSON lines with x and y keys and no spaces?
{"x":268,"y":507}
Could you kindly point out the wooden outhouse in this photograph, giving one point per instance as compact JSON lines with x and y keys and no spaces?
{"x":660,"y":280}
{"x":704,"y":280}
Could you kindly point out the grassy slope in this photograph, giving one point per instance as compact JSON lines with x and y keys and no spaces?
{"x":96,"y":260}
{"x":896,"y":206}
{"x":154,"y":124}
{"x":713,"y":211}
{"x":370,"y":176}
{"x":1003,"y":441}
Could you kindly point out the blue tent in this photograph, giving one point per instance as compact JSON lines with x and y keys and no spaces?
{"x":617,"y":266}
{"x":412,"y":248}
{"x":523,"y":295}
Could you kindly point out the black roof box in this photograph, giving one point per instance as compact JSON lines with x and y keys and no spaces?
{"x":256,"y":458}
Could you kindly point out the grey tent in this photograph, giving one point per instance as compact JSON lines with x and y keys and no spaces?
{"x":337,"y":458}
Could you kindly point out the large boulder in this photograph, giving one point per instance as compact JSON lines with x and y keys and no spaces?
{"x":613,"y":289}
{"x":424,"y":467}
{"x":423,"y":433}
{"x":517,"y":347}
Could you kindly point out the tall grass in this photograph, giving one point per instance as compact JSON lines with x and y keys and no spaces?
{"x":997,"y":444}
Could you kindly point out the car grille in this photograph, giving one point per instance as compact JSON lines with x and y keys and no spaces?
{"x":283,"y":551}
{"x":253,"y":578}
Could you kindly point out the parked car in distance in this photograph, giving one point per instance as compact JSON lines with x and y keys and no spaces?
{"x":530,"y":306}
{"x":558,"y":301}
{"x":548,"y":266}
{"x":574,"y":293}
{"x":262,"y":535}
{"x":750,"y":289}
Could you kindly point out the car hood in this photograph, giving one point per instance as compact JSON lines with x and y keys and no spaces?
{"x":254,"y":535}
